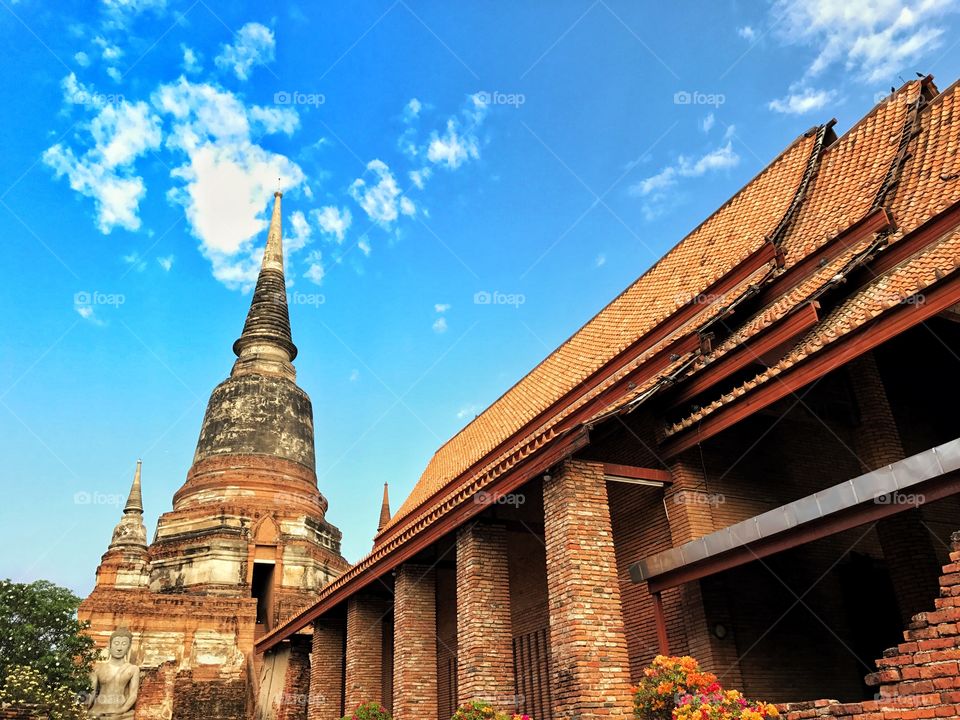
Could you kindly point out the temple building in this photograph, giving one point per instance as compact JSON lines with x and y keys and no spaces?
{"x":751,"y":455}
{"x":246,"y":545}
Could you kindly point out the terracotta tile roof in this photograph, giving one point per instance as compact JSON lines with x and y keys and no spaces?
{"x":889,"y":290}
{"x":719,"y":244}
{"x":849,"y":178}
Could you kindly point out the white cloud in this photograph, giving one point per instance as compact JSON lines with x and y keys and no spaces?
{"x":412,"y":109}
{"x":747,"y":33}
{"x":799,"y":101}
{"x":453,"y":148}
{"x":440,"y":325}
{"x":82,"y":59}
{"x":114,"y":74}
{"x":420,"y":177}
{"x":708,"y":122}
{"x":364,"y":245}
{"x":441,"y":307}
{"x":121,"y":133}
{"x":333,"y":221}
{"x":600,"y":260}
{"x":166,"y":262}
{"x":297,"y":233}
{"x":135,"y":261}
{"x":191,"y":60}
{"x":108,"y":51}
{"x":315,"y":271}
{"x":255,"y":44}
{"x":653,"y":188}
{"x":875,"y":39}
{"x":227,"y":178}
{"x":466,"y":411}
{"x":380,"y":201}
{"x":120,"y":12}
{"x":354,"y":375}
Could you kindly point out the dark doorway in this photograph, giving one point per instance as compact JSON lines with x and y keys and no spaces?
{"x":871,"y":608}
{"x":261,"y":588}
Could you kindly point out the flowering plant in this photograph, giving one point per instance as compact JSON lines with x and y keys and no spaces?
{"x":481,"y":710}
{"x":369,"y":711}
{"x":25,"y":688}
{"x":675,"y":688}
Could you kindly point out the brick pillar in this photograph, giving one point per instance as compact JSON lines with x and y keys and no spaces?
{"x":906,"y":542}
{"x":415,"y":643}
{"x":690,"y":516}
{"x":364,"y":665}
{"x":484,"y":628}
{"x":296,"y":682}
{"x":326,"y":671}
{"x":588,"y":645}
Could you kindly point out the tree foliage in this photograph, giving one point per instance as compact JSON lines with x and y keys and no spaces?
{"x":39,"y":629}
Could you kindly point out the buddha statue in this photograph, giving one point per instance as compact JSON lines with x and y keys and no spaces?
{"x":115,"y":681}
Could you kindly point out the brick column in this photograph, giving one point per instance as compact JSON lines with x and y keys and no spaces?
{"x":415,"y":643}
{"x":364,"y":664}
{"x":484,"y":629}
{"x":690,"y":516}
{"x":326,"y":671}
{"x":296,"y":682}
{"x":906,"y":543}
{"x":588,"y":645}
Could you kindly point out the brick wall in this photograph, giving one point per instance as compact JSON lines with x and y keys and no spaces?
{"x":485,"y":667}
{"x":294,"y":700}
{"x":364,"y":664}
{"x":326,"y":670}
{"x":920,"y":677}
{"x":588,"y":646}
{"x":415,"y":643}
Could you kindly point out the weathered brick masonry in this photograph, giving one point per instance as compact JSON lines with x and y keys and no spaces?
{"x":920,"y":677}
{"x":588,"y":646}
{"x":415,"y":643}
{"x":326,"y":670}
{"x":485,"y":667}
{"x":364,"y":664}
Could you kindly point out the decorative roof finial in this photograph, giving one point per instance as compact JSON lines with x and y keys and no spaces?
{"x":384,"y":510}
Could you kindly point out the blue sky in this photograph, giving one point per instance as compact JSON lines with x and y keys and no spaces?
{"x":465,"y":185}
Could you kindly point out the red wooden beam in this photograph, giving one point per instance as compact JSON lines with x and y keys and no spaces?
{"x":871,"y":223}
{"x":937,"y":298}
{"x":783,"y":330}
{"x":530,"y":468}
{"x":934,"y":489}
{"x":661,"y":622}
{"x":916,"y":240}
{"x":637,"y":473}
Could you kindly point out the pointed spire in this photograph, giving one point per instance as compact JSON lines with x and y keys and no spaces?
{"x":135,"y":499}
{"x":384,"y":510}
{"x":266,"y":345}
{"x":130,"y":533}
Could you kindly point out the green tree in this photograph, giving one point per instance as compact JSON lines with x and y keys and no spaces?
{"x":39,"y":630}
